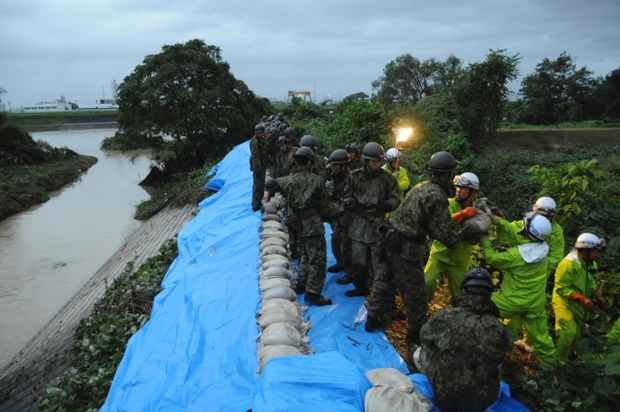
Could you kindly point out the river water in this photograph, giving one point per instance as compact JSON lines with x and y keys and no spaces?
{"x":50,"y":251}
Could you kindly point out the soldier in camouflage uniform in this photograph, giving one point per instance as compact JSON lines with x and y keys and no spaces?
{"x":369,"y":194}
{"x":258,"y":166}
{"x":285,"y":158}
{"x":463,"y":347}
{"x":289,"y":133}
{"x":423,"y":212}
{"x":271,"y":138}
{"x":340,"y":242}
{"x":355,"y":162}
{"x":307,"y":198}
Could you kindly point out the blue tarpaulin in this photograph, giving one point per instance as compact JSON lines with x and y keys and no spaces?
{"x":198,"y":350}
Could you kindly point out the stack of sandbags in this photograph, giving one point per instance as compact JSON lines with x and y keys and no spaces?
{"x":282,"y":326}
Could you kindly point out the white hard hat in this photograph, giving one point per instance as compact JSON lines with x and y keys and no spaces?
{"x":590,"y":241}
{"x":393,"y":154}
{"x":545,"y":206}
{"x":536,"y":226}
{"x":467,"y":179}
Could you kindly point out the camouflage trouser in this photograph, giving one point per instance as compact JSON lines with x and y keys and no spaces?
{"x":258,"y":188}
{"x":336,"y":241}
{"x":403,"y":270}
{"x":361,"y":254}
{"x":341,"y":245}
{"x":312,"y":262}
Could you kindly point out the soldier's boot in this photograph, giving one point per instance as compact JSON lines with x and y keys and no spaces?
{"x":335,"y":268}
{"x":345,"y":280}
{"x":372,"y":323}
{"x":356,"y":292}
{"x":314,"y":299}
{"x":299,"y":289}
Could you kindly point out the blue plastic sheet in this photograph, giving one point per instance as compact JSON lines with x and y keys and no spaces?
{"x":198,"y":350}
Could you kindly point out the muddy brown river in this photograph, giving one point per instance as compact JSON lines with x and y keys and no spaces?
{"x":50,"y":251}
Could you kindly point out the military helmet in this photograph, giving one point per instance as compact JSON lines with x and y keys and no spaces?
{"x":372,"y":151}
{"x":281,"y":140}
{"x":478,"y":281}
{"x":289,"y":131}
{"x":339,"y":156}
{"x":545,"y":206}
{"x":309,"y":141}
{"x":351,"y":147}
{"x":443,"y":162}
{"x":590,"y":241}
{"x":259,"y":128}
{"x":275,"y":129}
{"x":270,"y":184}
{"x":536,"y":226}
{"x":306,"y":152}
{"x":283,"y":126}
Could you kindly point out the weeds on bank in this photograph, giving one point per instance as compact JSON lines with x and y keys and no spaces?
{"x":101,"y":338}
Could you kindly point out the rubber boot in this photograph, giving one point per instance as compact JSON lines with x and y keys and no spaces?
{"x":345,"y":280}
{"x":314,"y":299}
{"x":335,"y":268}
{"x":372,"y":323}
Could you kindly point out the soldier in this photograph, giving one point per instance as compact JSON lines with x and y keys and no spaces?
{"x":340,"y":242}
{"x":369,"y":194}
{"x":423,"y":212}
{"x":454,"y":263}
{"x":355,"y":162}
{"x":258,"y":165}
{"x":290,"y":136}
{"x":463,"y":347}
{"x":285,"y":158}
{"x":307,"y":197}
{"x":523,"y":289}
{"x":271,"y":138}
{"x":392,"y":165}
{"x":575,"y":291}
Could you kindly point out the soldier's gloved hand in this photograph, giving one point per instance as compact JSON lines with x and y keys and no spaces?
{"x":583,"y":301}
{"x":350,"y":203}
{"x":463,"y":214}
{"x":385,"y":207}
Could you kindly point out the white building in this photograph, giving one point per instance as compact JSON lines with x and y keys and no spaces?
{"x":59,"y":105}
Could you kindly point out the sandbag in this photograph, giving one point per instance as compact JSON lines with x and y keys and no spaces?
{"x":274,"y":316}
{"x":268,"y":352}
{"x":271,"y":216}
{"x":281,"y":333}
{"x":480,"y":223}
{"x":283,"y":304}
{"x":393,"y":391}
{"x":276,"y":272}
{"x":269,"y":233}
{"x":276,"y":263}
{"x":277,"y":250}
{"x":279,"y":292}
{"x":272,"y":241}
{"x":266,"y":284}
{"x":272,"y":224}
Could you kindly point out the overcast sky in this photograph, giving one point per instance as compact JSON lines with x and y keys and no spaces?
{"x":336,"y":47}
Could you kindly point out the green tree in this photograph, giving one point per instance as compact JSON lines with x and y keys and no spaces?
{"x":558,"y":92}
{"x":609,"y":95}
{"x":185,"y":103}
{"x":408,"y":79}
{"x":481,"y":97}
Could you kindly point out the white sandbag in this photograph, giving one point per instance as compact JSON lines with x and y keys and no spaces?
{"x":272,"y":224}
{"x":267,"y":284}
{"x":270,"y":207}
{"x":272,"y":216}
{"x":281,"y":304}
{"x":269,"y":233}
{"x":480,"y":223}
{"x":276,"y":272}
{"x":393,"y":391}
{"x":274,"y":250}
{"x":279,"y":292}
{"x":280,"y":334}
{"x":275,"y":263}
{"x":272,"y":241}
{"x":274,"y":316}
{"x":268,"y":352}
{"x":274,"y":256}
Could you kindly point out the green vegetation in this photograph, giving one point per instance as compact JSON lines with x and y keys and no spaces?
{"x":25,"y":120}
{"x":29,"y":169}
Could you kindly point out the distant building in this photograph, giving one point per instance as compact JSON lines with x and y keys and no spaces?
{"x":59,"y":105}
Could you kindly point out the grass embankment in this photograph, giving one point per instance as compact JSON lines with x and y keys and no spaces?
{"x":27,"y":120}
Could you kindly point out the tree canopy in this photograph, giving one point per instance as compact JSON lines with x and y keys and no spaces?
{"x":186,"y":104}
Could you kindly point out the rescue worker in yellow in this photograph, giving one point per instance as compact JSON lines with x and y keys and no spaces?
{"x":575,"y":292}
{"x":454,"y":263}
{"x":392,"y":165}
{"x":523,"y":289}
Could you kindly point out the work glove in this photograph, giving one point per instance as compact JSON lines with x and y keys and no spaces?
{"x":463,"y":214}
{"x":497,"y":212}
{"x":586,"y":303}
{"x":350,"y":203}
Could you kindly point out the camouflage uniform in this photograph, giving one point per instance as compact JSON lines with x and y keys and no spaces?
{"x":424,"y":211}
{"x":340,"y":242}
{"x":258,"y":166}
{"x":462,"y":349}
{"x":376,"y":194}
{"x":358,"y":163}
{"x":305,"y":194}
{"x":284,"y":162}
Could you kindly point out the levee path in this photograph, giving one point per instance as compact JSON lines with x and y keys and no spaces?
{"x":24,"y":375}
